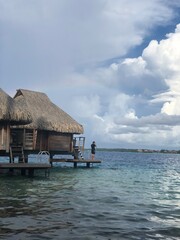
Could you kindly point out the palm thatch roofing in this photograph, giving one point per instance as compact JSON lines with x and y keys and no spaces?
{"x":46,"y":115}
{"x":12,"y":112}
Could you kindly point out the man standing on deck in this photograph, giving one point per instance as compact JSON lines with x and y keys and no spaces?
{"x":93,"y":150}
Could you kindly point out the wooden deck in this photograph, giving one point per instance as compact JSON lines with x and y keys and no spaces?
{"x":26,"y":167}
{"x":29,"y":168}
{"x":75,"y":161}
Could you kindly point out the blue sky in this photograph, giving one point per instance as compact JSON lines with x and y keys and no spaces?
{"x":113,"y":65}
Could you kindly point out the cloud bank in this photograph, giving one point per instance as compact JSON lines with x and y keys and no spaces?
{"x":139,"y":102}
{"x":77,"y":52}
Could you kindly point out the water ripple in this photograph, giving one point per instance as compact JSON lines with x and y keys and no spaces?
{"x":129,"y":196}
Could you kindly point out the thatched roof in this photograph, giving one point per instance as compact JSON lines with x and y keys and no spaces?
{"x":45,"y":114}
{"x":11,"y":112}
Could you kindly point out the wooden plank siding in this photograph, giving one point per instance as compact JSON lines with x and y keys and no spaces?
{"x":17,"y":136}
{"x":41,"y":140}
{"x":28,"y":139}
{"x":8,"y":138}
{"x":35,"y":141}
{"x":4,"y":138}
{"x":60,"y":142}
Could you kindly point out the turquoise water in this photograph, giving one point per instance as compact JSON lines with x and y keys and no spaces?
{"x":127,"y":196}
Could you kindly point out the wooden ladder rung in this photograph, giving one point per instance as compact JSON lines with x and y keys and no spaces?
{"x":17,"y":151}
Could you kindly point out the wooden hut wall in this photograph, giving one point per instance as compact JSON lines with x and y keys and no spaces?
{"x":30,"y":136}
{"x":8,"y":138}
{"x":30,"y":139}
{"x":17,"y":136}
{"x":41,"y":140}
{"x":4,"y":137}
{"x":60,"y":142}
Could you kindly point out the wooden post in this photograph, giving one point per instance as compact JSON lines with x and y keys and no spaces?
{"x":23,"y":172}
{"x":31,"y":172}
{"x":24,"y":137}
{"x":88,"y":165}
{"x":11,"y":171}
{"x":2,"y":136}
{"x":26,"y":158}
{"x":34,"y":138}
{"x":8,"y":138}
{"x":51,"y":158}
{"x":46,"y":172}
{"x":75,"y":164}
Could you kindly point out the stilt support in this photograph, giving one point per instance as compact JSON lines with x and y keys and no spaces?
{"x":88,"y":165}
{"x":23,"y":172}
{"x":31,"y":172}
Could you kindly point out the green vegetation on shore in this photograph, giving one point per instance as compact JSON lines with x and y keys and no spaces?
{"x":137,"y":150}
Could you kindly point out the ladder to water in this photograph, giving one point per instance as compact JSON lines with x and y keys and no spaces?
{"x":78,"y":147}
{"x":17,"y":151}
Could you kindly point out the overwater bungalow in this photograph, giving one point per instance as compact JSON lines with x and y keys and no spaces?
{"x":11,"y":113}
{"x":31,"y":124}
{"x":51,"y":130}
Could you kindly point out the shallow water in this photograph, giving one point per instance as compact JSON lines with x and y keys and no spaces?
{"x":127,"y":196}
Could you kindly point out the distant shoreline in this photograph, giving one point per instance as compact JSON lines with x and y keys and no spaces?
{"x":137,"y":150}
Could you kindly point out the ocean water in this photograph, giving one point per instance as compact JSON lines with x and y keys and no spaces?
{"x":127,"y":196}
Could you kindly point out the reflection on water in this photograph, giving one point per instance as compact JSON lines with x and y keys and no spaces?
{"x":128,"y":196}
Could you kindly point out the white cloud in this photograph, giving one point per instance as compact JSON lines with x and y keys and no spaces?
{"x":166,"y":59}
{"x":66,"y":49}
{"x":42,"y":39}
{"x":123,"y":120}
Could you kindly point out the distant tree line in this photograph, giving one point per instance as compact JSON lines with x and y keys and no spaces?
{"x":137,"y":150}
